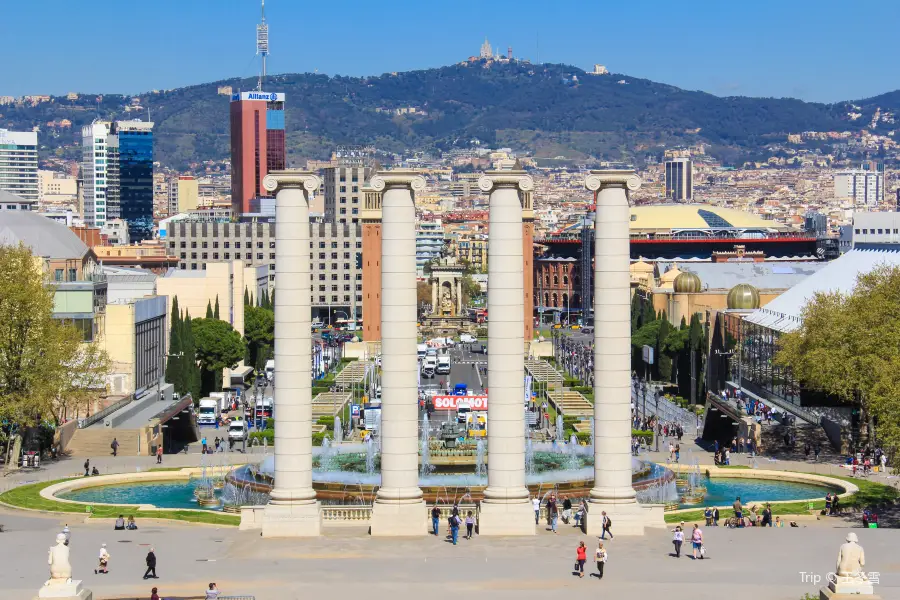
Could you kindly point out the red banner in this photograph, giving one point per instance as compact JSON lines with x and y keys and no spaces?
{"x":452,"y":402}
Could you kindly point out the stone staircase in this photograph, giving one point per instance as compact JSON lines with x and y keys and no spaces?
{"x":95,"y":441}
{"x":773,"y":442}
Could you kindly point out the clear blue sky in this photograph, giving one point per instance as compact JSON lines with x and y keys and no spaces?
{"x":823,"y":50}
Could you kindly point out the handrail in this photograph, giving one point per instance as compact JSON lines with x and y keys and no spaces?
{"x":99,"y":416}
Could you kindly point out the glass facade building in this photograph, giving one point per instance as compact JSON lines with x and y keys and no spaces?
{"x":136,"y":177}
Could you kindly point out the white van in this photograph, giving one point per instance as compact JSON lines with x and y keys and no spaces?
{"x":443,"y":365}
{"x":421,"y":351}
{"x":237,"y":431}
{"x":429,"y":365}
{"x":467,"y":338}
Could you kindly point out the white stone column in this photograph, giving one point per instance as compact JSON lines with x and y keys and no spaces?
{"x":612,"y":491}
{"x":435,"y":284}
{"x":506,"y":508}
{"x":292,"y":510}
{"x":459,"y":297}
{"x":399,"y":508}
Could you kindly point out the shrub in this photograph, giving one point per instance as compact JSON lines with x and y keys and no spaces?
{"x":327,"y":420}
{"x":642,"y":435}
{"x":317,"y":438}
{"x":584,"y":436}
{"x":270,"y":423}
{"x":267,"y":435}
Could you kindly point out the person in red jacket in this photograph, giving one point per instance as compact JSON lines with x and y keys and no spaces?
{"x":580,"y":558}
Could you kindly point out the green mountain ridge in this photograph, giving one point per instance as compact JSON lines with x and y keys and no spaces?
{"x":547,"y":109}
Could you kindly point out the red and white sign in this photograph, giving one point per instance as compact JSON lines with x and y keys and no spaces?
{"x":452,"y":402}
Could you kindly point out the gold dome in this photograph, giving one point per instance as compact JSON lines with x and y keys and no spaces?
{"x":743,"y":296}
{"x":686,"y":283}
{"x":641,"y":267}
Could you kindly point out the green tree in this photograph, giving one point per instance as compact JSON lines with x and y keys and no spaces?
{"x":219,"y":347}
{"x":174,"y":361}
{"x":47,"y":371}
{"x":216,"y":309}
{"x":848,"y":346}
{"x":259,"y":334}
{"x":209,"y":310}
{"x":189,"y":368}
{"x":470,"y":289}
{"x":663,"y":360}
{"x":246,"y":297}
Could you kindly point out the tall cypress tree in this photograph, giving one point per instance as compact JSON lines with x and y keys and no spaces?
{"x":190,"y":366}
{"x":246,"y":296}
{"x":209,"y":310}
{"x":173,"y":363}
{"x":663,"y":361}
{"x":272,"y":301}
{"x":216,"y":309}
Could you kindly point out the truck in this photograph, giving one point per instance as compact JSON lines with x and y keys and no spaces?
{"x":443,"y":365}
{"x":460,"y":389}
{"x":421,"y":350}
{"x":209,"y":411}
{"x":270,"y":370}
{"x":237,"y":431}
{"x":429,"y":365}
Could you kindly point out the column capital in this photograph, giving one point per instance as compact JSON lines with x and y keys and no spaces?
{"x":400,"y":178}
{"x":506,"y":179}
{"x":277,"y":180}
{"x":607,"y":178}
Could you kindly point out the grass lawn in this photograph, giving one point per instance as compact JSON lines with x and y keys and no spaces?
{"x":869,"y":493}
{"x":29,"y":497}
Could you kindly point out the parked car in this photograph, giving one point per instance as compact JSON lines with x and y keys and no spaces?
{"x":479,"y":349}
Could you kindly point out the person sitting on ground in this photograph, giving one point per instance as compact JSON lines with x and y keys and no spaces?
{"x":120,"y":524}
{"x":95,"y":471}
{"x":131,"y":524}
{"x":779,"y":522}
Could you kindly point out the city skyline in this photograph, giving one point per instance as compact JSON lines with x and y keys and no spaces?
{"x":723,"y":48}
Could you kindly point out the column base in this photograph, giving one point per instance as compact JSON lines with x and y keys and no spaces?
{"x":627,"y":519}
{"x":65,"y":591}
{"x":391,"y":519}
{"x":292,"y":520}
{"x":506,"y":518}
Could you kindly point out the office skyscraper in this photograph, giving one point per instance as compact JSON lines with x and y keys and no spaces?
{"x":19,"y":163}
{"x":135,"y":166}
{"x":865,"y":186}
{"x":680,"y":180}
{"x":93,"y":172}
{"x":257,"y":145}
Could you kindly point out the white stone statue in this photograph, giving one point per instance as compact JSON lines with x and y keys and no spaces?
{"x":58,"y":559}
{"x":447,"y":302}
{"x":851,"y":559}
{"x":850,"y":577}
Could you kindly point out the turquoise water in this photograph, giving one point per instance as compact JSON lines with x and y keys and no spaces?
{"x":180,"y":494}
{"x":165,"y":494}
{"x":723,"y":491}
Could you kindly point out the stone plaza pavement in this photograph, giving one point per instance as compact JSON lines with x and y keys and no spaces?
{"x":741,"y":565}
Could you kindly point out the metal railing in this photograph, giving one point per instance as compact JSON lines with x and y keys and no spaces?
{"x":648,"y":401}
{"x":99,"y":416}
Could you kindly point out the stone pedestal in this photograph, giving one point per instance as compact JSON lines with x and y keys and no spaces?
{"x":847,"y":588}
{"x":399,"y":509}
{"x":65,"y":591}
{"x":506,"y":508}
{"x":612,"y":491}
{"x":292,"y":510}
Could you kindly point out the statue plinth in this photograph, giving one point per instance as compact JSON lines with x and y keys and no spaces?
{"x":68,"y":590}
{"x":849,"y":580}
{"x":851,"y":589}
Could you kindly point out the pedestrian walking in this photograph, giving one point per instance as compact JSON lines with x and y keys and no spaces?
{"x":203,"y":444}
{"x":536,"y":504}
{"x":87,"y":467}
{"x":154,"y":594}
{"x":677,"y":540}
{"x":580,"y":559}
{"x":567,"y":510}
{"x":817,"y":451}
{"x":470,"y":525}
{"x":454,"y":528}
{"x":697,"y":542}
{"x":159,"y":454}
{"x":600,"y":555}
{"x":115,"y":446}
{"x":435,"y":518}
{"x":607,"y":527}
{"x":66,"y":533}
{"x":151,"y":565}
{"x":552,"y":513}
{"x":103,"y":560}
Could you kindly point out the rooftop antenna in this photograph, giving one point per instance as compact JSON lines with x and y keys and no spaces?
{"x":262,"y":44}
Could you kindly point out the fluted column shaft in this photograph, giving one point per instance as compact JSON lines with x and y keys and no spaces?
{"x":612,"y":337}
{"x":399,"y":363}
{"x":506,"y":362}
{"x":293,"y":345}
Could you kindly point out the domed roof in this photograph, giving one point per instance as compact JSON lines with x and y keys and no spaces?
{"x":743,"y":296}
{"x":641,"y":267}
{"x":687,"y":283}
{"x":670,"y":275}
